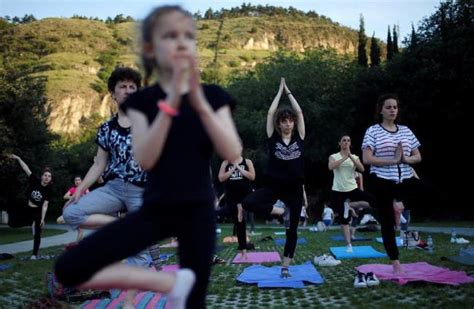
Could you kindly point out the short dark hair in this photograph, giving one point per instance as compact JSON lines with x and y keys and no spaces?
{"x":284,"y":114}
{"x":121,"y":74}
{"x":379,"y":105}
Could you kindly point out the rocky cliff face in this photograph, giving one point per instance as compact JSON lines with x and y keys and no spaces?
{"x":67,"y":113}
{"x":299,"y":43}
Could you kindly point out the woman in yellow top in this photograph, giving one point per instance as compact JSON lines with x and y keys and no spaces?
{"x":344,"y":187}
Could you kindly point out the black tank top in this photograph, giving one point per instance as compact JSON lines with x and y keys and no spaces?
{"x":237,"y":186}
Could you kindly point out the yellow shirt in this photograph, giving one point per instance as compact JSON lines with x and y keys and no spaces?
{"x":344,"y":180}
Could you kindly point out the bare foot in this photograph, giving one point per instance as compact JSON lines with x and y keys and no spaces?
{"x":243,"y":255}
{"x":397,"y":267}
{"x":240,"y":212}
{"x":129,"y":301}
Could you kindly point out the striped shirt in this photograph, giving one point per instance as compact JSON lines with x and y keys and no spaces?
{"x":384,"y":144}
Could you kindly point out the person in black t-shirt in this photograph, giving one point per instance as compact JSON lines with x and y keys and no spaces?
{"x":237,"y":176}
{"x":285,"y":172}
{"x":39,"y":195}
{"x":176,"y":125}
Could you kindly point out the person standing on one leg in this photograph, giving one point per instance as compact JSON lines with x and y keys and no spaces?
{"x":285,"y":171}
{"x":39,"y":196}
{"x":344,"y":186}
{"x":390,"y":149}
{"x":237,"y":176}
{"x":176,"y":125}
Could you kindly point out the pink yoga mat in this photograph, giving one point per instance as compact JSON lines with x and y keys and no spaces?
{"x":258,"y":257}
{"x":140,"y":301}
{"x":170,"y":268}
{"x":420,"y":271}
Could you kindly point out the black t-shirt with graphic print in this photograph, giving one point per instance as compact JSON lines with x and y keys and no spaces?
{"x":237,"y":186}
{"x":285,"y":162}
{"x":38,"y":193}
{"x":117,"y":141}
{"x":182,"y":174}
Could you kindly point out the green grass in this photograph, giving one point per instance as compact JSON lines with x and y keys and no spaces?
{"x":9,"y":235}
{"x":337,"y":291}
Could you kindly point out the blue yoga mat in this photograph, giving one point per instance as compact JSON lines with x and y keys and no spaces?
{"x":341,"y":238}
{"x":4,"y":266}
{"x":359,"y":252}
{"x":397,"y":240}
{"x":269,"y":277}
{"x":281,"y":241}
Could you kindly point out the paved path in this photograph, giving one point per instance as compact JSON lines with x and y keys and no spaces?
{"x":51,"y":241}
{"x":57,"y":240}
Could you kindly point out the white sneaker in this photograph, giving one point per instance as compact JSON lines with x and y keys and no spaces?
{"x":349,"y":249}
{"x":326,"y":260}
{"x":462,"y":241}
{"x":371,"y":279}
{"x":346,"y":209}
{"x":359,"y":281}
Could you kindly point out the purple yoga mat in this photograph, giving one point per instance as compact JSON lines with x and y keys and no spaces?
{"x":420,"y":271}
{"x":258,"y":257}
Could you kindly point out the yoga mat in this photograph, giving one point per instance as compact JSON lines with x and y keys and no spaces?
{"x":466,"y":260}
{"x":258,"y":257}
{"x":341,"y":238}
{"x":279,"y":233}
{"x":170,"y":268}
{"x":4,"y":266}
{"x":420,"y":271}
{"x":359,"y":252}
{"x":143,"y":300}
{"x":269,"y":277}
{"x":397,"y":240}
{"x":281,"y":241}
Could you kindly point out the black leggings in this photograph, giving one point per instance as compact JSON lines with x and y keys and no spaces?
{"x":356,"y":195}
{"x":193,"y":224}
{"x":24,"y":217}
{"x":385,"y":192}
{"x":262,"y":201}
{"x":240,"y":226}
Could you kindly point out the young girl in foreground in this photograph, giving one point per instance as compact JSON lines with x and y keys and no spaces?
{"x":176,"y":123}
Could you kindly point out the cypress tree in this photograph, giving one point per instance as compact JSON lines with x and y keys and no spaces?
{"x":361,"y":55}
{"x":395,"y":40}
{"x":389,"y":45}
{"x":374,"y":52}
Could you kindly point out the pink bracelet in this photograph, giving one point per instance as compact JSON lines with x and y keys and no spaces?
{"x":167,"y":109}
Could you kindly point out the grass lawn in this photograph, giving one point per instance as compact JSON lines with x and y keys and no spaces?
{"x":24,"y":281}
{"x":9,"y":235}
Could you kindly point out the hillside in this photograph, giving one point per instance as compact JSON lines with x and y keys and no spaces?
{"x":76,"y":55}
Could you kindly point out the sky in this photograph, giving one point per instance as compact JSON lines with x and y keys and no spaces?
{"x":378,"y":14}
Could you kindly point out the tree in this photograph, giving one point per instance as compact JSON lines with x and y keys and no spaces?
{"x":374,"y":52}
{"x":361,"y":52}
{"x":209,"y":14}
{"x":23,"y":129}
{"x":413,"y":38}
{"x":395,"y":40}
{"x":389,"y":45}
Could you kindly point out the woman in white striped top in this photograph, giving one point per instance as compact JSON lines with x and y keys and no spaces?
{"x":390,"y":149}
